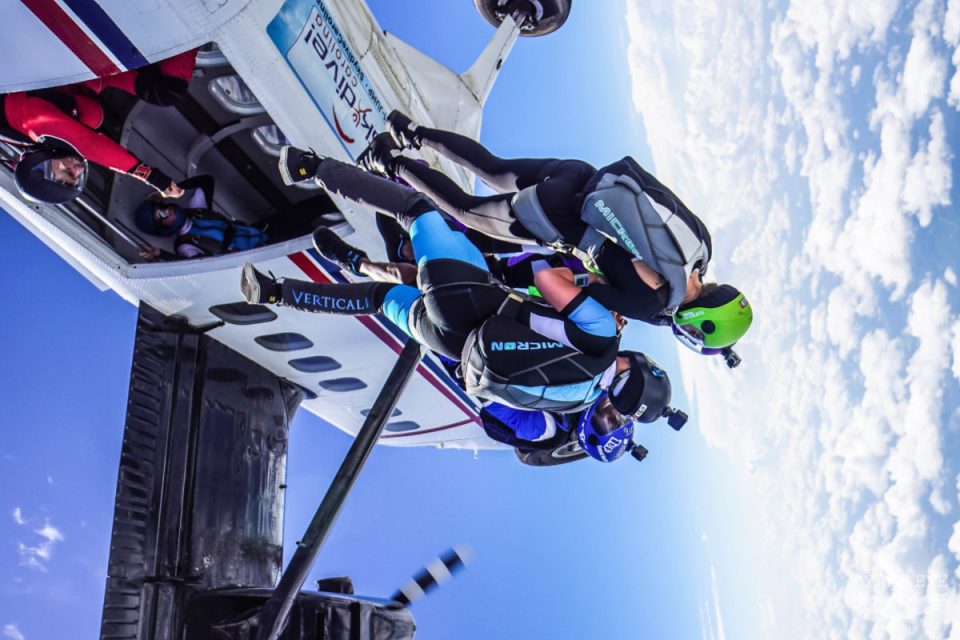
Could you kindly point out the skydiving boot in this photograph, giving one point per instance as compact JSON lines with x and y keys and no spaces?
{"x":258,"y":288}
{"x":403,"y":130}
{"x":298,"y":165}
{"x":380,"y":155}
{"x":334,"y":249}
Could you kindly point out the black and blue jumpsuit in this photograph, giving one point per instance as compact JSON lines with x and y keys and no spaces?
{"x":560,"y":187}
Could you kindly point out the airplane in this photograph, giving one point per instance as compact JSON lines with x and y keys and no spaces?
{"x":215,"y":382}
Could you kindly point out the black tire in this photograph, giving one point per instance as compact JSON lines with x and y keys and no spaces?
{"x":568,"y":451}
{"x":554,"y":14}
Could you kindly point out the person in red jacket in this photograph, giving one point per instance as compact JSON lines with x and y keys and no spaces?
{"x":62,"y":123}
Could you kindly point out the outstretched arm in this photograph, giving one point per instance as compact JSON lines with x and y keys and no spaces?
{"x":37,"y":118}
{"x":559,"y":286}
{"x":591,"y":327}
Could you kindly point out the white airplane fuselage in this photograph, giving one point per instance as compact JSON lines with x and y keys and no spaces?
{"x":326,"y":74}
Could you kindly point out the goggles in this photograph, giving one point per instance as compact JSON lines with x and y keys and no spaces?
{"x":692,"y":338}
{"x":70,"y":171}
{"x":606,"y":419}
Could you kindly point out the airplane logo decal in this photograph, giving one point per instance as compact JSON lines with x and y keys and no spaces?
{"x":340,"y":131}
{"x":323,"y":60}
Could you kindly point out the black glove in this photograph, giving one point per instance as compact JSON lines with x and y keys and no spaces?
{"x":152,"y":176}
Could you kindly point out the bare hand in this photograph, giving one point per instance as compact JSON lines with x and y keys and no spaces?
{"x":173,"y":191}
{"x":149,"y":253}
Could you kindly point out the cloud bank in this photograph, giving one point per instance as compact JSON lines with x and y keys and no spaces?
{"x":813,"y":138}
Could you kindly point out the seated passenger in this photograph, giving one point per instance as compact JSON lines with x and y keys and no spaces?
{"x":62,"y":123}
{"x":568,"y":359}
{"x":200,"y":231}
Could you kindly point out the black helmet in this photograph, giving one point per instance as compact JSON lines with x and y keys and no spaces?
{"x":643,"y":391}
{"x":35,"y":176}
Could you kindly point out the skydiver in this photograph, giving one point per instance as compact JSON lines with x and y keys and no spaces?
{"x":559,"y":358}
{"x":60,"y":127}
{"x":652,"y":258}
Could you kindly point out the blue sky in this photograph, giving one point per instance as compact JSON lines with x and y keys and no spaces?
{"x":814,"y":492}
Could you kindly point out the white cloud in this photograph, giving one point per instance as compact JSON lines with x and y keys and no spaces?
{"x":711,"y":616}
{"x":833,"y":28}
{"x":11,"y":631}
{"x":951,"y":33}
{"x":836,"y":415}
{"x":924,"y":73}
{"x":928,"y":178}
{"x":955,"y":348}
{"x":18,"y":516}
{"x":38,"y":555}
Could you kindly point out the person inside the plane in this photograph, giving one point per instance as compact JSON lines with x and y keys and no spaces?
{"x":62,"y":122}
{"x":561,"y":356}
{"x":651,"y":259}
{"x":201,"y":231}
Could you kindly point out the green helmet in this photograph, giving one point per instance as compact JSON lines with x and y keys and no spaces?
{"x":716,"y":319}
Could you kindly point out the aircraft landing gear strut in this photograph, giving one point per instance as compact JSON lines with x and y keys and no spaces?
{"x":535,"y":17}
{"x":273,"y":615}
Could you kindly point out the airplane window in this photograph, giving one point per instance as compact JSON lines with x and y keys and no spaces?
{"x":270,"y":139}
{"x":366,"y":412}
{"x":315,"y":364}
{"x":234,"y":95}
{"x":403,"y":425}
{"x":284,"y":342}
{"x":210,"y":56}
{"x":343,"y":384}
{"x":242,"y":313}
{"x":308,"y":394}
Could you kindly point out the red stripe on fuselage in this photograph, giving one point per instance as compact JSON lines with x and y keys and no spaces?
{"x":420,"y":433}
{"x":63,"y":26}
{"x":308,"y":267}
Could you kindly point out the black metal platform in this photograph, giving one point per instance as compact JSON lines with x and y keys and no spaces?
{"x":200,"y":489}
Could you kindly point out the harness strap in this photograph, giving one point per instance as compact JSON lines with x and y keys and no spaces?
{"x":510,"y":307}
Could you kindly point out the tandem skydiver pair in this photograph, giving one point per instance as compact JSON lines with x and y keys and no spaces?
{"x":459,"y":311}
{"x":646,"y":249}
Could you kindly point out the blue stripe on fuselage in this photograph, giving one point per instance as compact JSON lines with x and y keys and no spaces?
{"x":97,"y":20}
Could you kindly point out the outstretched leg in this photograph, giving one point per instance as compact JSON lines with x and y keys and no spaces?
{"x":353,"y":299}
{"x":490,"y":215}
{"x":349,"y":258}
{"x":500,"y":174}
